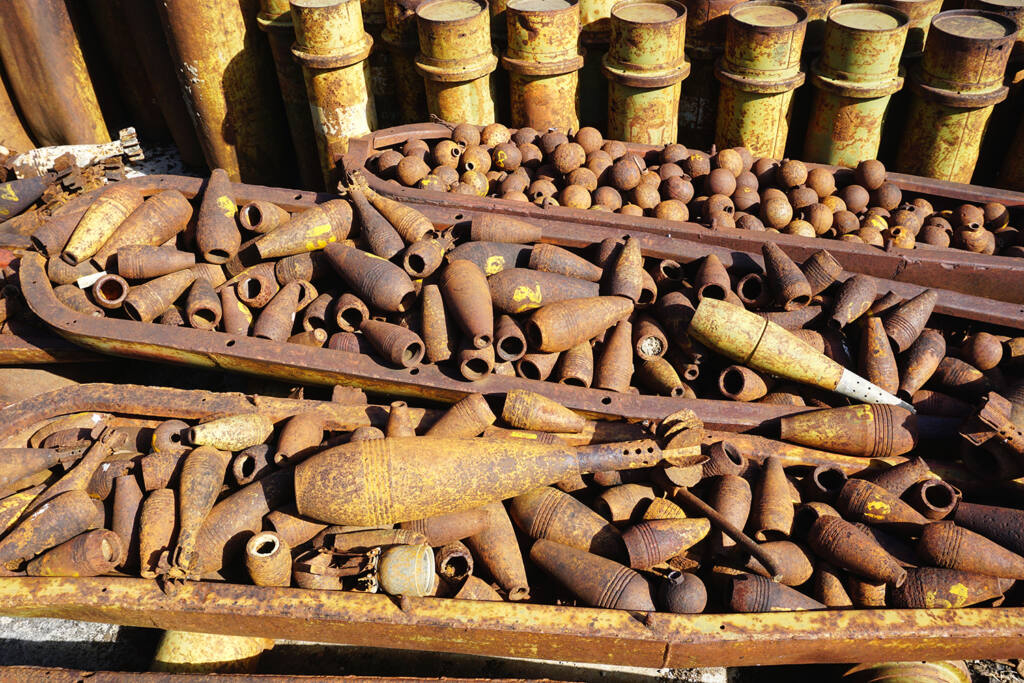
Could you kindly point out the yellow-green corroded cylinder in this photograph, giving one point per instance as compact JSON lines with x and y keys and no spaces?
{"x":401,"y":40}
{"x":332,"y":47}
{"x":1012,"y":9}
{"x":920,"y":13}
{"x":645,"y":65}
{"x":543,"y":62}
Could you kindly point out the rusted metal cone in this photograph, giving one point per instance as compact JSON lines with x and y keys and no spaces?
{"x":624,"y":502}
{"x":498,"y":470}
{"x":517,"y":290}
{"x":827,"y":586}
{"x":549,"y":513}
{"x":142,"y":262}
{"x":730,"y":495}
{"x":261,"y":216}
{"x":562,"y":325}
{"x":349,"y":312}
{"x":712,"y":279}
{"x":380,"y":283}
{"x":740,"y":383}
{"x":477,"y":589}
{"x":92,"y":553}
{"x":497,"y":549}
{"x":444,"y":529}
{"x":896,"y":546}
{"x":396,"y":344}
{"x":61,"y":273}
{"x":509,"y":340}
{"x":475,"y":364}
{"x":291,"y":528}
{"x":13,"y":506}
{"x":653,"y":542}
{"x":300,"y":435}
{"x":202,"y":306}
{"x":202,"y":476}
{"x":920,"y":361}
{"x":821,"y":269}
{"x":789,"y":285}
{"x":861,"y":500}
{"x":100,"y":221}
{"x":683,"y":593}
{"x":1003,"y":525}
{"x":853,"y":298}
{"x":576,"y":366}
{"x":439,"y":331}
{"x":376,"y":231}
{"x":468,"y":299}
{"x":158,"y":520}
{"x":552,"y":259}
{"x":400,"y":422}
{"x":488,"y":227}
{"x":529,"y":410}
{"x":865,"y":594}
{"x":217,"y":234}
{"x":905,"y":323}
{"x":771,"y":513}
{"x":899,"y":478}
{"x":252,"y":463}
{"x":62,"y":518}
{"x":454,"y":562}
{"x":935,"y":588}
{"x":944,"y":544}
{"x":148,"y":301}
{"x":625,"y":278}
{"x":595,"y":580}
{"x":877,"y":362}
{"x":410,"y":223}
{"x":753,"y":593}
{"x":536,"y":365}
{"x":614,"y":368}
{"x":276,"y":320}
{"x":844,"y":545}
{"x":422,"y":258}
{"x":793,"y":562}
{"x":268,"y":560}
{"x":311,"y":230}
{"x":256,"y":286}
{"x":125,"y":523}
{"x":660,"y":376}
{"x":962,"y":378}
{"x":157,"y":220}
{"x":407,"y":570}
{"x":232,"y":433}
{"x":18,"y":463}
{"x":933,"y":498}
{"x":310,"y":266}
{"x":235,"y":316}
{"x":467,"y":418}
{"x":875,"y":431}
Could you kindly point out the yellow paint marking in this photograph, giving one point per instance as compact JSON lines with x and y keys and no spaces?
{"x":523,"y":435}
{"x":9,"y":194}
{"x":526,"y":295}
{"x":227,"y":205}
{"x":494,"y":264}
{"x":877,"y":509}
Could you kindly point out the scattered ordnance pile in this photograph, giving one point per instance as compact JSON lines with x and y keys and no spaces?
{"x":490,"y":298}
{"x":415,"y":509}
{"x":727,"y":189}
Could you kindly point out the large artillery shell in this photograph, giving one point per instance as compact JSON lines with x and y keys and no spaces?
{"x":877,"y":362}
{"x":935,"y":588}
{"x":861,"y":500}
{"x":614,"y":367}
{"x":378,"y":282}
{"x":468,"y":298}
{"x":311,"y":230}
{"x":159,"y":219}
{"x":407,"y":570}
{"x":905,"y":323}
{"x":844,"y":545}
{"x":142,"y":262}
{"x":127,"y":504}
{"x":730,"y":495}
{"x":300,"y":434}
{"x":753,"y":593}
{"x":901,"y":477}
{"x":202,"y":476}
{"x":875,"y":431}
{"x":277,"y":318}
{"x":920,"y":361}
{"x":235,"y":315}
{"x":529,"y":410}
{"x":398,"y":345}
{"x":790,"y":286}
{"x":157,"y":523}
{"x":549,"y":513}
{"x":149,"y":300}
{"x":269,"y":560}
{"x":853,"y":299}
{"x":655,"y":541}
{"x":394,"y":480}
{"x":410,"y":223}
{"x":444,"y":529}
{"x":18,"y":463}
{"x":517,"y":290}
{"x":562,"y":325}
{"x":232,"y":433}
{"x":793,"y":563}
{"x":217,"y":234}
{"x":379,"y":234}
{"x":203,"y":307}
{"x":488,"y":227}
{"x":92,"y":553}
{"x":627,"y":270}
{"x":467,"y":418}
{"x":62,"y":518}
{"x":552,"y":259}
{"x":100,"y":221}
{"x":594,"y":580}
{"x":771,"y":513}
{"x":944,"y":544}
{"x":497,"y":549}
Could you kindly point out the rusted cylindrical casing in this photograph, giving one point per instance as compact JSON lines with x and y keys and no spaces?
{"x":789,"y":285}
{"x":793,"y":562}
{"x":853,"y":299}
{"x":901,"y":477}
{"x":332,"y":47}
{"x":400,"y":39}
{"x":407,"y":570}
{"x":645,"y":65}
{"x":311,"y":230}
{"x":595,"y":580}
{"x":378,"y":282}
{"x":552,"y":259}
{"x":661,"y":377}
{"x":771,"y":512}
{"x":156,"y":221}
{"x":652,"y":542}
{"x":396,"y":344}
{"x":379,"y":234}
{"x":444,"y":529}
{"x":855,"y":76}
{"x":863,"y":501}
{"x":614,"y":368}
{"x":125,"y":523}
{"x":529,"y":410}
{"x":497,"y":549}
{"x":467,"y":418}
{"x":92,"y":553}
{"x":157,"y":523}
{"x":920,"y":13}
{"x":147,"y":301}
{"x":455,"y":60}
{"x":252,"y":463}
{"x":549,"y":513}
{"x":753,"y":593}
{"x":731,"y":497}
{"x":142,"y":262}
{"x":875,"y":431}
{"x":936,"y":588}
{"x":944,"y":544}
{"x":300,"y":434}
{"x":1005,"y":526}
{"x":844,"y":545}
{"x":758,"y":74}
{"x":269,"y":560}
{"x":277,"y":318}
{"x":60,"y":519}
{"x":876,"y":359}
{"x":202,"y":307}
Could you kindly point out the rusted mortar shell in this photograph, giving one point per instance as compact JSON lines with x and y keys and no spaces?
{"x":875,"y":431}
{"x":982,"y":350}
{"x":156,"y":221}
{"x":652,"y":542}
{"x":821,"y":269}
{"x":660,"y":376}
{"x":125,"y":523}
{"x":79,"y":476}
{"x":252,"y":463}
{"x":475,"y":364}
{"x":18,"y":195}
{"x":920,"y":361}
{"x":933,"y":498}
{"x":416,"y":462}
{"x":422,"y":258}
{"x":61,"y":273}
{"x":771,"y":512}
{"x":905,"y":323}
{"x":723,"y":459}
{"x":261,"y":216}
{"x":517,"y":290}
{"x":649,"y":340}
{"x":232,"y":433}
{"x":142,"y":262}
{"x":210,"y":272}
{"x":455,"y":60}
{"x":407,"y":570}
{"x":894,"y":545}
{"x":454,"y":562}
{"x":62,"y":518}
{"x":380,"y":283}
{"x":18,"y":463}
{"x":490,"y":227}
{"x":542,"y":61}
{"x":277,"y":318}
{"x":853,"y":299}
{"x":217,"y":234}
{"x":741,"y":384}
{"x":794,"y":563}
{"x":1005,"y":526}
{"x":157,"y":523}
{"x":962,"y":378}
{"x":497,"y":549}
{"x":467,"y":296}
{"x":100,"y":221}
{"x":168,"y":438}
{"x":855,"y":76}
{"x":202,"y":476}
{"x":549,"y":513}
{"x":595,"y":580}
{"x":236,"y":316}
{"x":50,"y":237}
{"x":410,"y":224}
{"x":944,"y":544}
{"x":291,"y":528}
{"x":791,"y":289}
{"x":147,"y":301}
{"x":899,"y":478}
{"x":311,"y":230}
{"x":400,"y":421}
{"x":203,"y":306}
{"x":865,"y":594}
{"x":935,"y":588}
{"x":349,"y":312}
{"x":552,"y":259}
{"x":300,"y":435}
{"x":317,"y":313}
{"x":627,"y":268}
{"x":92,"y":553}
{"x":396,"y":344}
{"x":509,"y":340}
{"x":861,"y":500}
{"x":268,"y":559}
{"x":753,"y":593}
{"x":77,"y":300}
{"x":758,"y":74}
{"x":379,"y":235}
{"x":476,"y":589}
{"x":682,"y":594}
{"x":614,"y":367}
{"x":827,"y":586}
{"x":807,"y":514}
{"x":439,"y":332}
{"x":467,"y":418}
{"x":920,"y":13}
{"x":561,"y":325}
{"x":877,"y":362}
{"x":842,"y":544}
{"x":12,"y":506}
{"x":529,"y":410}
{"x":492,"y":257}
{"x":730,"y":495}
{"x":256,"y":286}
{"x":444,"y":529}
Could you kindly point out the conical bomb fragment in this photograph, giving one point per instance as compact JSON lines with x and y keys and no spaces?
{"x":552,"y":259}
{"x":444,"y":529}
{"x":549,"y":513}
{"x":127,"y":502}
{"x":875,"y":431}
{"x":454,"y":562}
{"x":920,"y":361}
{"x":256,"y":286}
{"x":944,"y":544}
{"x":377,"y":232}
{"x":396,"y":480}
{"x":18,"y":463}
{"x":261,"y":216}
{"x":476,"y":589}
{"x":467,"y":418}
{"x":235,"y":316}
{"x":517,"y":290}
{"x":497,"y":549}
{"x":487,"y":227}
{"x":159,"y":219}
{"x":771,"y":513}
{"x":655,"y":541}
{"x":844,"y":545}
{"x":202,"y":476}
{"x":475,"y":364}
{"x":627,"y":269}
{"x":439,"y":331}
{"x":309,"y":266}
{"x":899,"y":478}
{"x":217,"y":234}
{"x":865,"y":594}
{"x":407,"y":221}
{"x":396,"y":344}
{"x":562,"y":325}
{"x":92,"y":553}
{"x":595,"y":580}
{"x":421,"y":259}
{"x":143,"y":262}
{"x":18,"y":195}
{"x":299,"y":436}
{"x":62,"y":518}
{"x":905,"y":323}
{"x":789,"y":285}
{"x":861,"y":500}
{"x":50,"y":237}
{"x":203,"y":307}
{"x":232,"y":433}
{"x":753,"y":593}
{"x":149,"y":300}
{"x":1003,"y":525}
{"x":311,"y":230}
{"x":492,"y":257}
{"x":828,"y":586}
{"x":400,"y":421}
{"x":730,"y":495}
{"x":291,"y":528}
{"x":536,"y":365}
{"x":100,"y":221}
{"x":276,"y":320}
{"x":793,"y":562}
{"x":624,"y":502}
{"x":853,"y":298}
{"x":380,"y":283}
{"x":821,"y":269}
{"x":961,"y":378}
{"x":468,"y":299}
{"x":935,"y":588}
{"x":741,"y":384}
{"x":877,"y":362}
{"x":269,"y":560}
{"x":933,"y":498}
{"x":529,"y":410}
{"x":614,"y":367}
{"x":712,"y":279}
{"x":157,"y":523}
{"x":509,"y":340}
{"x":660,"y":376}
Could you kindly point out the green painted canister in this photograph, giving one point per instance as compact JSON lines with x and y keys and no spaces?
{"x":402,"y":41}
{"x":855,"y":75}
{"x":543,"y":62}
{"x":1011,"y":9}
{"x":958,"y":82}
{"x":758,"y":73}
{"x":456,"y":60}
{"x":645,"y":65}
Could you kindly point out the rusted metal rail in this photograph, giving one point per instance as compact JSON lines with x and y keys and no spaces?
{"x":27,"y":345}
